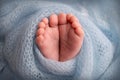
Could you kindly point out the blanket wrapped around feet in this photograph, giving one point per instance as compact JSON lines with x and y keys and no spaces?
{"x":20,"y":59}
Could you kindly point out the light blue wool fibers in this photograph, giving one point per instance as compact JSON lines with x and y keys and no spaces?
{"x":20,"y":58}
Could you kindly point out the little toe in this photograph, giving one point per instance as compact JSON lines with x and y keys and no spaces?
{"x":62,"y":18}
{"x":78,"y":29}
{"x":53,"y":20}
{"x":39,"y":40}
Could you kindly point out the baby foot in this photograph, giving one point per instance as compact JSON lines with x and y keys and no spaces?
{"x":47,"y":37}
{"x":71,"y":36}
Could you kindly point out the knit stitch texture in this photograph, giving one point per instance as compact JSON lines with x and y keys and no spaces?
{"x":20,"y":59}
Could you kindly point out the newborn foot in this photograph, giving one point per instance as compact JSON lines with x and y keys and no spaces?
{"x":71,"y":36}
{"x":59,"y":41}
{"x":47,"y":37}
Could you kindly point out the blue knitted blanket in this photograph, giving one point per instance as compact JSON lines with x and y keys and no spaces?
{"x":20,"y":59}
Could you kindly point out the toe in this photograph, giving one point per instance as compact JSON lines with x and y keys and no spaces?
{"x":69,"y":16}
{"x":53,"y":20}
{"x":62,"y":18}
{"x":40,"y":31}
{"x":39,"y":39}
{"x":41,"y":25}
{"x":79,"y":32}
{"x":73,"y":19}
{"x":45,"y":20}
{"x":75,"y":24}
{"x":78,"y":29}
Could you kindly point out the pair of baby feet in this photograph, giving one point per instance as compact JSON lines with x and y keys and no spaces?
{"x":60,"y":37}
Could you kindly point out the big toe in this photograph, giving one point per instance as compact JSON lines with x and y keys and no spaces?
{"x":62,"y":18}
{"x":53,"y":20}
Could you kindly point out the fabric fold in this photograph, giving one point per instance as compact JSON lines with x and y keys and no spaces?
{"x":25,"y":60}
